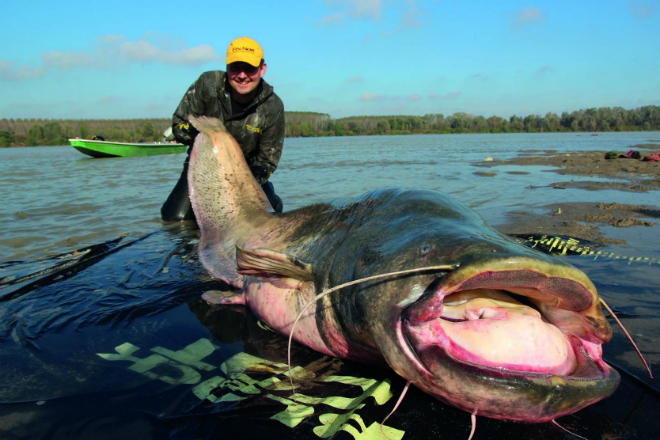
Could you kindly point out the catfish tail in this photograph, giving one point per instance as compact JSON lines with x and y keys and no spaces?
{"x":227,"y":200}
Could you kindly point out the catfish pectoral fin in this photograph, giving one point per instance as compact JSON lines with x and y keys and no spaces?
{"x":224,"y":298}
{"x":268,"y":263}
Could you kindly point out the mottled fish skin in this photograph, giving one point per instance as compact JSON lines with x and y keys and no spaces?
{"x":280,"y":262}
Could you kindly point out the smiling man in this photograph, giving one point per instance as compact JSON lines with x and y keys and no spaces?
{"x":251,"y":112}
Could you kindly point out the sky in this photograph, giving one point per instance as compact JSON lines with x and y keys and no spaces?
{"x":123,"y":60}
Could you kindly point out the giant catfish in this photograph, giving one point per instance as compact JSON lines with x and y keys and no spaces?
{"x":509,"y":333}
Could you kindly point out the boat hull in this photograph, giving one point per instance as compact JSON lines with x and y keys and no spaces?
{"x":120,"y":149}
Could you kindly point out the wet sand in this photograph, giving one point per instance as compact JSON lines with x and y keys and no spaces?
{"x":583,"y":219}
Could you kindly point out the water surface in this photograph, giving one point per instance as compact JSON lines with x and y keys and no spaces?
{"x":118,"y":344}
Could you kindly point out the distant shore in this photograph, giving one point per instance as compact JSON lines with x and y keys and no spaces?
{"x":38,"y":132}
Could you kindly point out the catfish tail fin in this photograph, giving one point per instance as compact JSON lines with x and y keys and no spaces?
{"x":207,"y":125}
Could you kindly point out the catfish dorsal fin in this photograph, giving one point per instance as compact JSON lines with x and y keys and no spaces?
{"x":268,"y":263}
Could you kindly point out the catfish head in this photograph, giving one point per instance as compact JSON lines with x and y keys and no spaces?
{"x":511,"y":333}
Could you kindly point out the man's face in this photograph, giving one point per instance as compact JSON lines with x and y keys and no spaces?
{"x":244,"y":78}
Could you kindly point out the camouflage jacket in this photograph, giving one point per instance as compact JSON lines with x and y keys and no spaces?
{"x":259,"y":129}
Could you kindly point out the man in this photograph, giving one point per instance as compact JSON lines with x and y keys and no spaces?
{"x":251,"y":112}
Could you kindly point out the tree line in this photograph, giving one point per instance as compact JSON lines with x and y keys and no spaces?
{"x":34,"y":132}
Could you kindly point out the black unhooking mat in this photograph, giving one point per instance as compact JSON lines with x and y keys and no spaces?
{"x":113,"y":341}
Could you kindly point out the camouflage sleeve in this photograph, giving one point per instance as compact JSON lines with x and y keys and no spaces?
{"x":191,"y":104}
{"x":269,"y":152}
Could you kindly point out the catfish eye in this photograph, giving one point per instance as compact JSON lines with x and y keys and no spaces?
{"x":425,"y":249}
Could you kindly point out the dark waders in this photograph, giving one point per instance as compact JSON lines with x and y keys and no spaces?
{"x":177,"y":206}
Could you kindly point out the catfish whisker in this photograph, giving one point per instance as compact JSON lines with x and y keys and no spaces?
{"x":473,"y":421}
{"x":627,"y":335}
{"x":572,"y":433}
{"x":443,"y":267}
{"x":398,"y":402}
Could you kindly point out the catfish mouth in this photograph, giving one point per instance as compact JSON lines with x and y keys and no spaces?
{"x":513,"y":322}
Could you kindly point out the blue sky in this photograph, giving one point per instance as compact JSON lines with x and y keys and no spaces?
{"x":107,"y":60}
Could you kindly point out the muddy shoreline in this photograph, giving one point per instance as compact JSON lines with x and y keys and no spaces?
{"x":583,"y":220}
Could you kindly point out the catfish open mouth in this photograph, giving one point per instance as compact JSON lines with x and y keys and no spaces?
{"x":522,"y":322}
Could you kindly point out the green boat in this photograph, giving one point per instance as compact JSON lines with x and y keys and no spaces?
{"x":97,"y":148}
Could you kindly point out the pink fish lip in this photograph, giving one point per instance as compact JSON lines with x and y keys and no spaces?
{"x":428,"y":324}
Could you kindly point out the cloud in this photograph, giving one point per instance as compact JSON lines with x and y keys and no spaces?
{"x":527,"y":17}
{"x":355,"y":79}
{"x":642,"y":10}
{"x":367,"y":9}
{"x":414,"y":97}
{"x":409,"y":20}
{"x":541,"y":71}
{"x":65,"y":61}
{"x":110,"y":98}
{"x":372,"y":97}
{"x":333,"y":19}
{"x":111,"y":51}
{"x":452,"y":95}
{"x":143,"y":51}
{"x":204,"y":53}
{"x":479,"y":76}
{"x":10,"y":73}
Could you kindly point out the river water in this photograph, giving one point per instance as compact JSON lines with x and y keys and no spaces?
{"x":115,"y":342}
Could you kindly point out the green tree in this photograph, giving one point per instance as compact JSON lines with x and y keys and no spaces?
{"x":603,"y":125}
{"x":589,"y":123}
{"x":516,"y":123}
{"x":530,"y":124}
{"x":306,"y":130}
{"x":495,"y":124}
{"x":53,"y":133}
{"x":551,"y":122}
{"x":414,"y":124}
{"x":35,"y":136}
{"x":576,"y":119}
{"x":330,"y":128}
{"x":459,"y":122}
{"x":292,"y":129}
{"x":6,"y":138}
{"x":382,"y":127}
{"x":83,"y":131}
{"x":115,"y":134}
{"x":439,"y":123}
{"x":148,"y":132}
{"x":479,"y":124}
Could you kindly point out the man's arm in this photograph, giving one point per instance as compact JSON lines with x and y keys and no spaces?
{"x":192,"y":103}
{"x":271,"y":143}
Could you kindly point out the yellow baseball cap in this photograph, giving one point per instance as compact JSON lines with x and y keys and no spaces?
{"x":246,"y":50}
